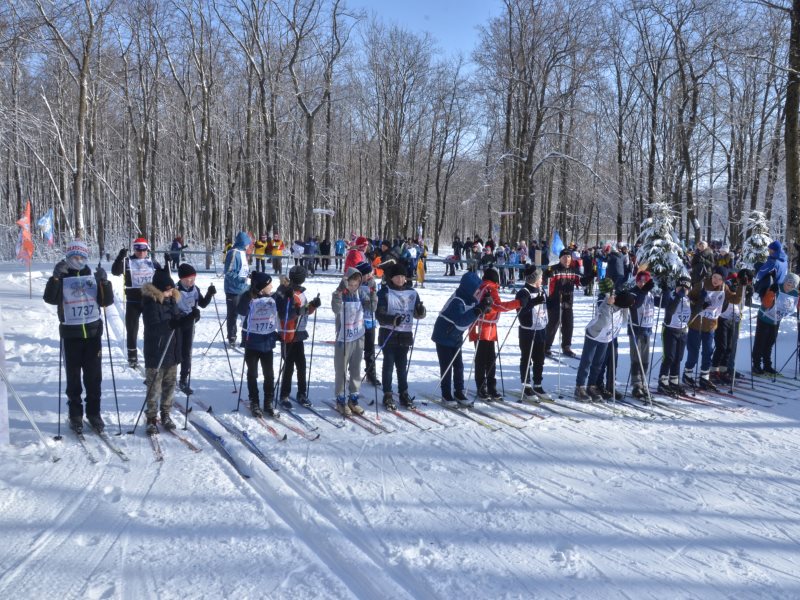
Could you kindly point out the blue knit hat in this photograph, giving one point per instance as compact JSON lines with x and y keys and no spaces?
{"x":775,"y":247}
{"x":77,"y":248}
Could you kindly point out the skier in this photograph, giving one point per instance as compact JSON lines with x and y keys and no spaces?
{"x":348,"y":303}
{"x":259,"y":252}
{"x":604,"y":326}
{"x":189,"y":301}
{"x":293,"y":310}
{"x":369,"y":286}
{"x":325,"y":251}
{"x":532,"y":327}
{"x":775,"y":265}
{"x":138,"y":271}
{"x":79,"y":294}
{"x":259,"y":334}
{"x":235,"y":271}
{"x":707,"y":298}
{"x":726,"y":334}
{"x":175,"y":251}
{"x":398,"y":304}
{"x":639,"y":330}
{"x":777,"y":302}
{"x":162,"y":316}
{"x":702,"y":262}
{"x":677,"y":312}
{"x":561,"y":281}
{"x":484,"y":335}
{"x":458,"y":313}
{"x":356,"y":253}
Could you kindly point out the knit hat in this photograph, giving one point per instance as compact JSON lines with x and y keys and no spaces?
{"x":353,"y":273}
{"x":186,"y":270}
{"x":77,"y":248}
{"x":393,"y":270}
{"x":532,"y":273}
{"x":364,"y":268}
{"x":721,"y":271}
{"x":565,"y":252}
{"x":792,"y":278}
{"x":606,"y":285}
{"x":297,"y":275}
{"x":775,"y":247}
{"x":643,"y":276}
{"x":362,"y":241}
{"x":492,"y":275}
{"x":607,"y":248}
{"x":162,"y":280}
{"x":141,"y":243}
{"x":259,"y":280}
{"x":684,"y":281}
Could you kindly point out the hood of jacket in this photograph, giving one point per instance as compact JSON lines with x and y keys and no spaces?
{"x":152,"y":292}
{"x":242,"y":240}
{"x":469,"y":284}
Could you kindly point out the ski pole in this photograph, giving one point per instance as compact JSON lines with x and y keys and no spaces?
{"x":635,"y":343}
{"x":311,"y":359}
{"x":750,"y":319}
{"x":22,"y":406}
{"x":241,"y":382}
{"x":60,"y":366}
{"x":284,"y":351}
{"x":152,"y":381}
{"x":500,"y":367}
{"x":528,"y":365}
{"x":699,"y":352}
{"x":411,"y":352}
{"x":735,"y":336}
{"x":214,"y":339}
{"x":111,"y":364}
{"x":653,"y":346}
{"x":560,"y":354}
{"x":188,"y":396}
{"x":224,"y":344}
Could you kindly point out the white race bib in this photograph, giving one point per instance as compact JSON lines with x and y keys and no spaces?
{"x":402,"y":303}
{"x":80,"y":300}
{"x":263,"y":316}
{"x":142,"y":271}
{"x":353,"y":326}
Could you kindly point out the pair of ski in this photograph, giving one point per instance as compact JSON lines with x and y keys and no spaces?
{"x":106,"y":440}
{"x":414,"y":409}
{"x":374,"y":426}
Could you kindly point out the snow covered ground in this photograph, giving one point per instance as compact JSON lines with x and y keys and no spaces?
{"x":601,"y":505}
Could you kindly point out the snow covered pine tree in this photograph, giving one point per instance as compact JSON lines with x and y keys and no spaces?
{"x":660,"y":252}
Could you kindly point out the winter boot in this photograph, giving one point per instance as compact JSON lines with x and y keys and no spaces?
{"x":664,"y":386}
{"x":528,"y":392}
{"x":388,"y":401}
{"x":769,"y":370}
{"x":637,"y":391}
{"x":352,"y":402}
{"x":133,"y":360}
{"x":595,"y":394}
{"x":96,"y":421}
{"x":705,"y":382}
{"x":581,"y":395}
{"x":183,"y":386}
{"x":286,"y":403}
{"x":268,"y":408}
{"x":725,"y":378}
{"x":688,"y":379}
{"x":152,"y":426}
{"x":405,"y":400}
{"x":302,"y":399}
{"x":757,"y":370}
{"x":449,"y":401}
{"x":166,"y":421}
{"x":568,"y":352}
{"x":76,"y":423}
{"x":255,"y":408}
{"x":676,"y":386}
{"x":539,"y":391}
{"x":460,"y":396}
{"x":342,"y":406}
{"x":372,"y":378}
{"x":495,"y":396}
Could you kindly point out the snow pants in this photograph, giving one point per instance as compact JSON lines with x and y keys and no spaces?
{"x":531,"y":346}
{"x":724,"y":345}
{"x":347,"y":364}
{"x":640,"y":342}
{"x":133,"y":312}
{"x":451,"y":369}
{"x":254,"y":358}
{"x":82,"y":360}
{"x":231,"y":304}
{"x":186,"y":335}
{"x":395,"y":357}
{"x":766,"y":335}
{"x":559,"y":314}
{"x":294,"y":355}
{"x":694,"y":341}
{"x":674,"y":342}
{"x":369,"y":351}
{"x":485,"y":367}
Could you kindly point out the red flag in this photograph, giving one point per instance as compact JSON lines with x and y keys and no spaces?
{"x":25,"y":242}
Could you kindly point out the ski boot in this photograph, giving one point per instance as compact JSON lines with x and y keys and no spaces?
{"x":342,"y":407}
{"x":461,"y":398}
{"x":664,"y":387}
{"x":449,"y":401}
{"x":568,"y":352}
{"x":302,"y":399}
{"x":595,"y":394}
{"x":96,"y":421}
{"x":167,"y":422}
{"x":255,"y":409}
{"x":352,"y":402}
{"x":676,"y":386}
{"x":483,"y":394}
{"x":183,"y":386}
{"x":286,"y":404}
{"x":539,"y":391}
{"x":581,"y":395}
{"x":388,"y":401}
{"x":706,"y":384}
{"x":688,"y":379}
{"x":528,"y":392}
{"x":268,"y":408}
{"x":495,"y":396}
{"x":133,"y":360}
{"x":769,"y":370}
{"x":373,"y":380}
{"x":152,"y":426}
{"x":405,"y":400}
{"x":76,"y":423}
{"x":638,"y":391}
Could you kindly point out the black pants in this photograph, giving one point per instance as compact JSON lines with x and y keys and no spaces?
{"x":261,"y":264}
{"x":83,"y":356}
{"x":294,"y":355}
{"x":133,"y":311}
{"x":674,"y":341}
{"x":766,"y":335}
{"x":231,"y":302}
{"x":453,"y":358}
{"x":369,"y":351}
{"x":531,"y":346}
{"x":252,"y":358}
{"x":186,"y":335}
{"x":326,"y":263}
{"x":485,"y":366}
{"x":339,"y":262}
{"x":724,"y":336}
{"x":641,"y":338}
{"x":559,"y":316}
{"x":395,"y":356}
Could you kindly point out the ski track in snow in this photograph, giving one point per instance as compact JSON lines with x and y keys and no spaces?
{"x":702,"y":505}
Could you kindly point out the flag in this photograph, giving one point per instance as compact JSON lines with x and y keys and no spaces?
{"x":45,"y":225}
{"x":25,"y":242}
{"x":556,"y":246}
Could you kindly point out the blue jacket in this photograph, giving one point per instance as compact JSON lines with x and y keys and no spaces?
{"x":339,"y":247}
{"x":234,"y":283}
{"x":458,"y":313}
{"x":777,"y":263}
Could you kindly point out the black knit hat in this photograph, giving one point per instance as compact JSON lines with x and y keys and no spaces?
{"x":297,"y":275}
{"x":491,"y":274}
{"x":532,"y":273}
{"x":393,"y":270}
{"x":364,"y":267}
{"x":259,"y":280}
{"x":565,"y":252}
{"x":162,"y":280}
{"x":186,"y":270}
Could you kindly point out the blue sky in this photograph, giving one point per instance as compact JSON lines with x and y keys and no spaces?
{"x":452,"y":23}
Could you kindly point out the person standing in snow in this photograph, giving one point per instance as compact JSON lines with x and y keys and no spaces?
{"x":369,"y":286}
{"x":190,"y":300}
{"x":639,"y":330}
{"x":777,"y":302}
{"x":236,"y":271}
{"x":773,"y":270}
{"x":79,"y":295}
{"x":532,"y":331}
{"x":677,"y":312}
{"x":260,"y":248}
{"x":259,"y":335}
{"x":561,"y":280}
{"x":727,"y":332}
{"x":138,"y":271}
{"x":356,"y":254}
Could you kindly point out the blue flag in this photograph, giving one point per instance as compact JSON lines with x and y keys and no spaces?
{"x":45,"y":225}
{"x":556,"y":246}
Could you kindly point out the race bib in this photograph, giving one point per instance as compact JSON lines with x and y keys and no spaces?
{"x":716,"y":300}
{"x":402,"y":303}
{"x":80,"y":300}
{"x":263,"y":316}
{"x":142,"y":271}
{"x":353,"y":326}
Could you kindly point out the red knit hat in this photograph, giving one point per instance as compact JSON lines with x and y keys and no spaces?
{"x":361,"y":241}
{"x":643,"y":276}
{"x":140,"y":241}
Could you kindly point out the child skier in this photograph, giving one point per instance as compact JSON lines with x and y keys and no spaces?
{"x":777,"y":302}
{"x":458,"y":313}
{"x":259,"y":334}
{"x":189,"y":301}
{"x":138,"y":271}
{"x":677,"y":312}
{"x":707,"y":297}
{"x":639,"y":330}
{"x":532,"y":326}
{"x":484,"y":335}
{"x":600,"y":332}
{"x":398,"y":304}
{"x":349,"y":302}
{"x":293,"y":310}
{"x":725,"y":336}
{"x":79,"y":294}
{"x":162,"y":317}
{"x":369,"y":286}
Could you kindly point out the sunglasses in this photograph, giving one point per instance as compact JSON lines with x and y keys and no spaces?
{"x":140,"y":248}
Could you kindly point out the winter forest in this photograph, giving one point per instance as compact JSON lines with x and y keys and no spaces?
{"x":204,"y":117}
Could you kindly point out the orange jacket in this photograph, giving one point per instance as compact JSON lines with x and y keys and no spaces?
{"x":485,"y":328}
{"x":378,"y":272}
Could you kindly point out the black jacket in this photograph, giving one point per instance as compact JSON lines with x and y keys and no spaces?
{"x":54,"y":294}
{"x":161,"y":317}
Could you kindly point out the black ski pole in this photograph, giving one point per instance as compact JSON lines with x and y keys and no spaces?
{"x":311,"y":358}
{"x":241,"y":381}
{"x":188,"y":387}
{"x":225,"y":345}
{"x":60,"y":366}
{"x":150,"y":384}
{"x":111,"y":364}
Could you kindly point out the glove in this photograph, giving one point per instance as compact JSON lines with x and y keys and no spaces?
{"x":211,"y":291}
{"x":315,"y":303}
{"x":174,"y":322}
{"x":398,"y":320}
{"x":706,"y":304}
{"x":485,"y":303}
{"x":420,"y":311}
{"x":196,"y":314}
{"x":100,"y":275}
{"x":122,"y":254}
{"x":648,"y":286}
{"x":745,"y":275}
{"x":60,"y":269}
{"x":537,"y":300}
{"x":524,"y":300}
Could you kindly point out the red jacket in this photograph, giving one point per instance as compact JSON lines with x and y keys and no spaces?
{"x":485,"y":328}
{"x":354,"y":256}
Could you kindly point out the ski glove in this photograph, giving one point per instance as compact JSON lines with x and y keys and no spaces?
{"x":122,"y":254}
{"x":100,"y":275}
{"x":211,"y":291}
{"x":196,"y":314}
{"x":315,"y":303}
{"x":537,"y":300}
{"x":420,"y":311}
{"x":174,"y":322}
{"x":485,"y":303}
{"x":60,"y":269}
{"x":648,"y":286}
{"x":397,"y":321}
{"x":706,"y":304}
